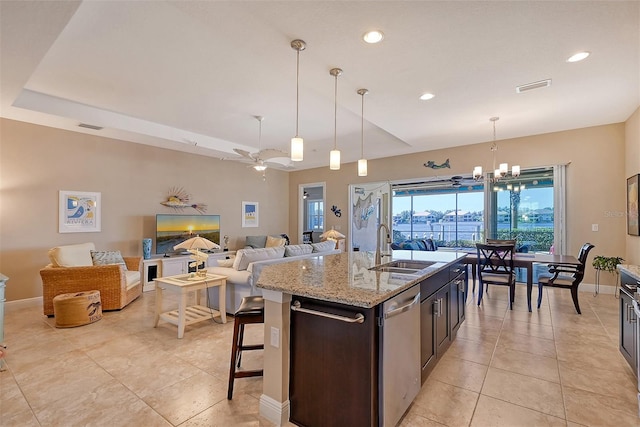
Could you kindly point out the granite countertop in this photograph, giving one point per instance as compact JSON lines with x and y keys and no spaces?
{"x":345,"y":278}
{"x":633,"y":270}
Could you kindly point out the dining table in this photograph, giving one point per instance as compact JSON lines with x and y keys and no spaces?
{"x":526,"y":260}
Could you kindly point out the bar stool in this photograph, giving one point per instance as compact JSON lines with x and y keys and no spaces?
{"x":251,"y":310}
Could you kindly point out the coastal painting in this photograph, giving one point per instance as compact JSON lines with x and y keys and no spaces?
{"x":249,"y":214}
{"x":78,"y":212}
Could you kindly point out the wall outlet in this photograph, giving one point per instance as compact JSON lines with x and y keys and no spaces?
{"x":275,"y":337}
{"x":594,"y":227}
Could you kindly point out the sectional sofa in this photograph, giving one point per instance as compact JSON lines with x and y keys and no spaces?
{"x":243,"y":271}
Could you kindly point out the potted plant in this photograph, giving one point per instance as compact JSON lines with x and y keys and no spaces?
{"x":605,"y":263}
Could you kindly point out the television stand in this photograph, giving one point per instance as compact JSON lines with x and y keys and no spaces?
{"x":172,"y":265}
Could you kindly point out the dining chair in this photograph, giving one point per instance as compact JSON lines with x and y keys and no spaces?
{"x":567,"y":276}
{"x":495,"y":267}
{"x":494,"y":242}
{"x":501,"y":242}
{"x":307,"y":237}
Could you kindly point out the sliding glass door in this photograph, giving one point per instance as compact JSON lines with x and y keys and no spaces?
{"x":449,"y":212}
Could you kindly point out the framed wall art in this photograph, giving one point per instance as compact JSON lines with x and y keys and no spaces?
{"x":249,"y":214}
{"x":633,"y":194}
{"x":78,"y":212}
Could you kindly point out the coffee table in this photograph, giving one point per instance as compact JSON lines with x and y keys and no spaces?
{"x":188,"y":315}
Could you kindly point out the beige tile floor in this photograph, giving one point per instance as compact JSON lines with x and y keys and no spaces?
{"x":505,"y":368}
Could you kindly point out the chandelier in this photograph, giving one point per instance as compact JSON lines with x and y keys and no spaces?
{"x":503,"y":169}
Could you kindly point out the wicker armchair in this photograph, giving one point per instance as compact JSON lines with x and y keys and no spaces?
{"x":110,"y":280}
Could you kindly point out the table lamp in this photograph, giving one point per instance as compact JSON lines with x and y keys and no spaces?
{"x":193,"y":246}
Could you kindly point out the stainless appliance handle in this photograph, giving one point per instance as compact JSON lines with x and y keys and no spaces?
{"x":358,"y":319}
{"x":404,"y":308}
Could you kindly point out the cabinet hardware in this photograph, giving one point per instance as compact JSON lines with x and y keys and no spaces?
{"x":358,"y":319}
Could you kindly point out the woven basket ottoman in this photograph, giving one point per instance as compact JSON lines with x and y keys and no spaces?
{"x":77,"y":309}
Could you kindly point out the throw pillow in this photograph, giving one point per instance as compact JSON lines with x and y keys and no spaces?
{"x":255,"y":242}
{"x":107,"y":258}
{"x":297,"y":250}
{"x":226,"y":262}
{"x":326,"y":246}
{"x":273,"y":242}
{"x":244,"y":257}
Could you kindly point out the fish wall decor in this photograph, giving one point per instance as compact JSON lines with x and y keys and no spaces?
{"x":431,"y":164}
{"x":178,"y":199}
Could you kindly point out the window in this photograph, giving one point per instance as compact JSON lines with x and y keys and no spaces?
{"x":523,"y":208}
{"x":315,"y":215}
{"x":449,"y":214}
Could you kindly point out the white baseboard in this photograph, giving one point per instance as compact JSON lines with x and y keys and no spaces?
{"x":604,"y":289}
{"x":274,"y":411}
{"x":23,"y":303}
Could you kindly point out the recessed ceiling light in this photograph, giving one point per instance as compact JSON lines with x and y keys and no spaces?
{"x":374,"y":36}
{"x":427,"y":96}
{"x":578,"y":56}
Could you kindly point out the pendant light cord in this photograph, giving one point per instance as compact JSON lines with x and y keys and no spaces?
{"x":297,"y":88}
{"x":335,"y":114}
{"x":362,"y":128}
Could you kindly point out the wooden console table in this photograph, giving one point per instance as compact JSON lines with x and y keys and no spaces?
{"x":188,"y":315}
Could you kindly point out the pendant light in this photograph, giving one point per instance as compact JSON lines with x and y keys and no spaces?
{"x":334,"y":155}
{"x":297,"y":143}
{"x":362,"y":163}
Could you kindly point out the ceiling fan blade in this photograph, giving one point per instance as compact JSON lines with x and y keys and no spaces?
{"x":270,"y":153}
{"x":244,"y":153}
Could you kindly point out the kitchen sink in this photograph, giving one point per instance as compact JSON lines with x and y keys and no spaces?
{"x":389,"y":269}
{"x":403,"y":267}
{"x":414,"y":265}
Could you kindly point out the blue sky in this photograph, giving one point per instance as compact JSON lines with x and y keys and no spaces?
{"x":535,"y":198}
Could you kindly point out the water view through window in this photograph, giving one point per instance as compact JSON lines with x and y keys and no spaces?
{"x":454,"y":216}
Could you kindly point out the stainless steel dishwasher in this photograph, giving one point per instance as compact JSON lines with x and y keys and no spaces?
{"x":400,"y":354}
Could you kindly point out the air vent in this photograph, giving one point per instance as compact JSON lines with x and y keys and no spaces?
{"x":534,"y":85}
{"x":94,"y":127}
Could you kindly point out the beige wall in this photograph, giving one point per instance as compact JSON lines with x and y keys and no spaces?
{"x":36,"y":162}
{"x":632,"y":167}
{"x":595,"y":180}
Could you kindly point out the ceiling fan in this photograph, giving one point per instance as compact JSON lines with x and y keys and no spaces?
{"x":265,"y":157}
{"x":455,"y":181}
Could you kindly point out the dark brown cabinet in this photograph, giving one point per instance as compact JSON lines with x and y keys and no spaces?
{"x":441,"y":314}
{"x":334,"y":366}
{"x":458,"y":295}
{"x":628,"y":322}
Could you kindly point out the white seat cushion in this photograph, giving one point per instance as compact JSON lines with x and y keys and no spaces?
{"x":297,"y":250}
{"x":326,"y":246}
{"x":132,"y":278}
{"x":72,"y":255}
{"x":233,"y":276}
{"x":244,"y":257}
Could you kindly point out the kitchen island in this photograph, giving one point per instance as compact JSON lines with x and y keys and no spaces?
{"x":349,"y":338}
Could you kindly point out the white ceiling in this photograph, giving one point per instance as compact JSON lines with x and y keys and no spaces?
{"x":190,"y":75}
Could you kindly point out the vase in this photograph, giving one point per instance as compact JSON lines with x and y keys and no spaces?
{"x":146,"y":248}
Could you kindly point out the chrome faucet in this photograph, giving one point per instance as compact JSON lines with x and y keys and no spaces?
{"x":379,"y":254}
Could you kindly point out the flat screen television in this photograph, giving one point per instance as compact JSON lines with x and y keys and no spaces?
{"x":172,"y":229}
